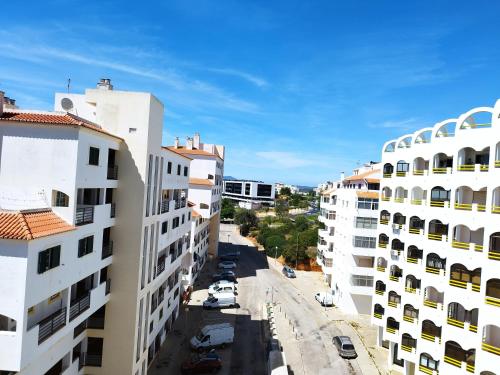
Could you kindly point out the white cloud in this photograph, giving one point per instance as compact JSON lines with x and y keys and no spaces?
{"x":404,"y":124}
{"x":257,"y":81}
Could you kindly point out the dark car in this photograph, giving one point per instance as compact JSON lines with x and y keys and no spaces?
{"x":201,"y":364}
{"x":288,"y":272}
{"x":345,"y":346}
{"x":229,"y":257}
{"x":225,"y":275}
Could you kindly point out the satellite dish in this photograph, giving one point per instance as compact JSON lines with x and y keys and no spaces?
{"x":67,"y":104}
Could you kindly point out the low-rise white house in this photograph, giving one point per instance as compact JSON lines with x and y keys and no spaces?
{"x":346,"y":245}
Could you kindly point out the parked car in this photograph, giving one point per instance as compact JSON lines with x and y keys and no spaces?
{"x":220,"y":301}
{"x":325,"y":299}
{"x":229,"y":257}
{"x":218,"y":284}
{"x":227,"y":265}
{"x":213,"y":335}
{"x":226,"y":287}
{"x":224,"y":277}
{"x":288,"y":272}
{"x":345,"y":346}
{"x":200,"y":364}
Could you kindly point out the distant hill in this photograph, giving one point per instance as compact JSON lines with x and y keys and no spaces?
{"x":229,"y":178}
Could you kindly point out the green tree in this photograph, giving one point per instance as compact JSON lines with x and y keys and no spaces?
{"x":285,"y":191}
{"x":243,"y":216}
{"x":281,"y":208}
{"x":273,"y":242}
{"x":227,"y":209}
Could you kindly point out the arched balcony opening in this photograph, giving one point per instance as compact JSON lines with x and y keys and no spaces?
{"x":424,"y":137}
{"x":495,"y":204}
{"x":392,"y":325}
{"x":410,"y":314}
{"x":497,"y":155}
{"x":418,"y":196}
{"x":412,"y":284}
{"x":383,"y":240}
{"x":385,"y":216}
{"x":390,"y":147}
{"x":464,"y":238}
{"x":393,"y":299}
{"x":7,"y":324}
{"x":420,"y":166}
{"x":59,"y":199}
{"x":470,"y":160}
{"x":402,"y":168}
{"x":460,"y":277}
{"x":466,"y":199}
{"x":437,"y":231}
{"x":440,"y":197}
{"x":388,"y":170}
{"x":405,"y":142}
{"x":494,"y":249}
{"x":399,"y":220}
{"x":395,"y":273}
{"x":433,"y":298}
{"x":400,"y":194}
{"x":459,"y":317}
{"x":414,"y":255}
{"x":493,"y":292}
{"x":430,"y":331}
{"x":408,"y":343}
{"x":442,"y":163}
{"x":378,"y":311}
{"x":417,"y":225}
{"x":434,"y":264}
{"x":381,"y":264}
{"x":491,"y":339}
{"x":428,"y":365}
{"x":386,"y":194}
{"x":456,"y":356}
{"x":379,"y":287}
{"x":446,"y":130}
{"x":477,"y":120}
{"x":397,"y":245}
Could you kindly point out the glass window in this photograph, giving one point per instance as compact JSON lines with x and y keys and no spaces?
{"x":366,"y":242}
{"x":169,"y":167}
{"x":49,"y":259}
{"x":366,"y":222}
{"x":94,"y":156}
{"x":367,"y":204}
{"x":85,"y":246}
{"x":186,"y":171}
{"x":178,"y":169}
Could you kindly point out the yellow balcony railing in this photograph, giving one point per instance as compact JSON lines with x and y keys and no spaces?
{"x":470,"y":367}
{"x":484,"y":167}
{"x":463,"y":206}
{"x":458,"y":283}
{"x":377,"y":315}
{"x":390,"y":330}
{"x":495,"y":255}
{"x":417,"y":202}
{"x":393,"y":278}
{"x":425,"y":370}
{"x":493,"y":301}
{"x":415,"y":230}
{"x":386,"y":199}
{"x":473,"y":328}
{"x":382,"y":245}
{"x":392,"y":304}
{"x":433,"y":270}
{"x":429,"y":337}
{"x":440,"y":170}
{"x":478,"y":247}
{"x":380,"y":269}
{"x":452,"y":361}
{"x":466,"y":167}
{"x":399,"y":200}
{"x":406,"y":348}
{"x":456,"y":323}
{"x":431,"y":304}
{"x":490,"y":348}
{"x":495,"y":209}
{"x":481,"y":207}
{"x":440,"y":204}
{"x":410,"y":290}
{"x":409,"y":319}
{"x":400,"y":174}
{"x":435,"y":236}
{"x":497,"y":163}
{"x":460,"y":245}
{"x":418,"y":172}
{"x":476,"y":287}
{"x":412,"y":260}
{"x":387,"y":175}
{"x":384,"y":221}
{"x":379,"y":292}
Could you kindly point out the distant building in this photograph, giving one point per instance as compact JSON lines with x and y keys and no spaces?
{"x":249,"y":194}
{"x":293,"y":188}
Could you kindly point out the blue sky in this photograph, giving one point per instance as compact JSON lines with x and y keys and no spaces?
{"x":298,"y":91}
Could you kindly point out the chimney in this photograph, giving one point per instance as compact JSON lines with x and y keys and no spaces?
{"x":189,"y":143}
{"x":196,"y":141}
{"x":1,"y":102}
{"x":176,"y":142}
{"x":105,"y":84}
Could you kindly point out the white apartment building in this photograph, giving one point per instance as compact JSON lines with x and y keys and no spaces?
{"x":95,"y":227}
{"x":346,"y":245}
{"x":249,"y":194}
{"x":279,"y":185}
{"x":437,"y":289}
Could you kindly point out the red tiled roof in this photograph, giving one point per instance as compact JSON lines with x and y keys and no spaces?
{"x":53,"y":119}
{"x":362,"y":175}
{"x":29,"y":225}
{"x":174,"y":150}
{"x":182,"y":150}
{"x":191,"y":204}
{"x":367,"y":194}
{"x":200,"y":181}
{"x":196,"y":214}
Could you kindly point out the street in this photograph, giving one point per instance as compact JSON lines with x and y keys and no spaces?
{"x":305,"y":329}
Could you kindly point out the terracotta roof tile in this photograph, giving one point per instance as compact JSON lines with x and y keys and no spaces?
{"x":53,"y":119}
{"x":29,"y":225}
{"x":182,"y":150}
{"x":200,"y":181}
{"x":196,"y":214}
{"x":367,"y":194}
{"x":174,"y":150}
{"x":362,"y":175}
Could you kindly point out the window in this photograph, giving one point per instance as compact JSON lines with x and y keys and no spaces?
{"x":366,"y":222}
{"x":178,"y":169}
{"x":85,"y":246}
{"x":247,"y":189}
{"x":367,"y":203}
{"x":264,"y":190}
{"x":94,"y":156}
{"x":366,"y":242}
{"x":189,"y":216}
{"x":164,"y":227}
{"x":361,"y":280}
{"x":427,"y":361}
{"x":183,"y":218}
{"x":59,"y":199}
{"x":185,"y":171}
{"x":175,"y":222}
{"x":49,"y":259}
{"x":169,"y":167}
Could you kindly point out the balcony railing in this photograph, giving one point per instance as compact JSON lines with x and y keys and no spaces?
{"x":84,"y":215}
{"x":94,"y":360}
{"x":494,"y":254}
{"x":435,"y":271}
{"x":108,"y":286}
{"x":433,"y":304}
{"x":112,"y":210}
{"x":416,"y":230}
{"x":495,"y":209}
{"x":387,"y":175}
{"x":412,"y":260}
{"x":160,"y":268}
{"x":401,"y":174}
{"x":393,"y":304}
{"x":493,"y":301}
{"x":384,"y":221}
{"x":437,"y":236}
{"x":378,"y":315}
{"x":379,"y":292}
{"x":426,"y":370}
{"x":440,"y":204}
{"x":418,"y":172}
{"x":79,"y":306}
{"x":430,"y":337}
{"x":381,"y":268}
{"x":417,"y":202}
{"x":490,"y":348}
{"x":406,"y":348}
{"x":441,"y":170}
{"x":399,"y":199}
{"x":408,"y":318}
{"x":455,"y":323}
{"x":392,"y":330}
{"x":113,"y":172}
{"x":51,"y":324}
{"x":165,"y":204}
{"x":382,"y":245}
{"x":107,"y":250}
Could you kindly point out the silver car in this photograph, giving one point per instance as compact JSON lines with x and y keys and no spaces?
{"x":344,"y":346}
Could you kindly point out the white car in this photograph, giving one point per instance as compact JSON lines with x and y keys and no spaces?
{"x":325,"y":299}
{"x":215,"y":287}
{"x":227,"y":265}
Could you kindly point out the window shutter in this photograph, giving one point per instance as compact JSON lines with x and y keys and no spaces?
{"x":55,"y":256}
{"x":41,"y":257}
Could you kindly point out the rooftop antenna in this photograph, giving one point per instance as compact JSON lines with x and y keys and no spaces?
{"x":69,"y":84}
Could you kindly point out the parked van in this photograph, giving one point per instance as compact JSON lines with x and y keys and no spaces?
{"x":213,"y":335}
{"x":219,"y":301}
{"x":325,"y":299}
{"x":222,"y":288}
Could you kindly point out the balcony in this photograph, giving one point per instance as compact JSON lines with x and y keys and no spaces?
{"x":112,"y":172}
{"x":165,"y":206}
{"x":112,"y":210}
{"x":437,"y":237}
{"x":88,"y":359}
{"x":467,"y":246}
{"x":491,"y":340}
{"x":161,"y":266}
{"x":78,"y":306}
{"x":51,"y":324}
{"x":84,"y":215}
{"x":107,"y":250}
